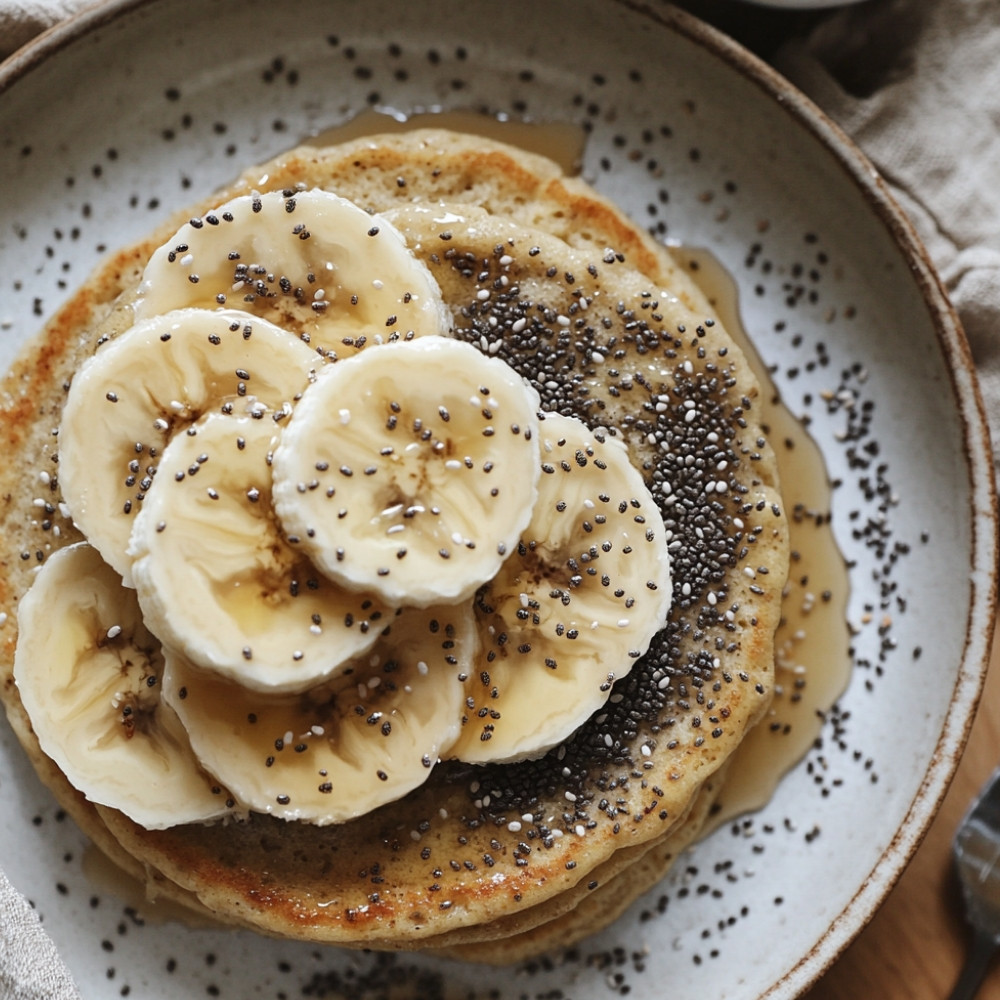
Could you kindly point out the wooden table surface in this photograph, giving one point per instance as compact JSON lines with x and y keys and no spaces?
{"x":914,"y":946}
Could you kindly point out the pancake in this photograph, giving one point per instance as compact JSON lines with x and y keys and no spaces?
{"x":614,"y":333}
{"x":577,"y":913}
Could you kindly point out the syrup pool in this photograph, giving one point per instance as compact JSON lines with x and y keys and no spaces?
{"x":812,"y":642}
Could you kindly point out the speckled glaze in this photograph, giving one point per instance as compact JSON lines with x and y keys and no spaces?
{"x":139,"y":107}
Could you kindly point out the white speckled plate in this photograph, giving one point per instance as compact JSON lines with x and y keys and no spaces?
{"x":139,"y":107}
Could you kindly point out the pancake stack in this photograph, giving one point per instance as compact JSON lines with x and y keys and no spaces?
{"x":491,"y":856}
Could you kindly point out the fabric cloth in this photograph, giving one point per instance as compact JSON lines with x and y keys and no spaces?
{"x":916,"y":83}
{"x":30,"y":969}
{"x":21,"y":20}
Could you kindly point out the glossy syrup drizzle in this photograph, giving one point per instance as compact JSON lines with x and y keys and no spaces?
{"x":562,"y":142}
{"x":812,"y":662}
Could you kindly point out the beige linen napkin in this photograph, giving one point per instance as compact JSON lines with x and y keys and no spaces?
{"x":916,"y":83}
{"x":30,"y":969}
{"x":21,"y":20}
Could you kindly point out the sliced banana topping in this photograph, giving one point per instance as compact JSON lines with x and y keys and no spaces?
{"x":89,"y":674}
{"x":342,"y":571}
{"x":410,"y":470}
{"x":310,"y":261}
{"x":574,"y":606}
{"x":342,"y":749}
{"x":218,"y":582}
{"x":142,"y":387}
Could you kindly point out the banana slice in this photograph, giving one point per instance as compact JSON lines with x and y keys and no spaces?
{"x":574,"y":606}
{"x":345,"y":748}
{"x":310,"y":261}
{"x":410,"y":470}
{"x":89,"y":674}
{"x":217,"y":581}
{"x":142,"y":387}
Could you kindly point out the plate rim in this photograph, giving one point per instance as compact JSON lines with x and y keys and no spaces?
{"x":985,"y":509}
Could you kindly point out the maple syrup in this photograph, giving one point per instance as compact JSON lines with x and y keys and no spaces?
{"x":812,"y":657}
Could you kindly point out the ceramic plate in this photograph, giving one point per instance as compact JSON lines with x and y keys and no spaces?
{"x":138,"y":108}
